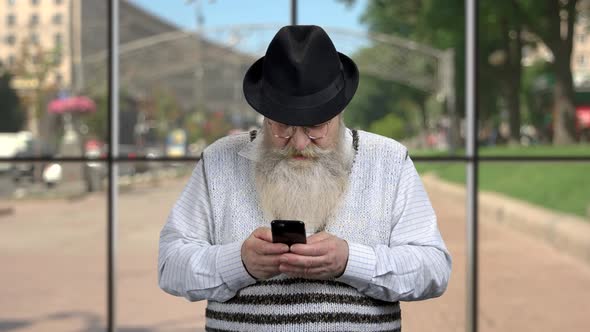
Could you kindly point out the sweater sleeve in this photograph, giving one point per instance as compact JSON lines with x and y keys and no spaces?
{"x":416,"y":264}
{"x":189,"y":265}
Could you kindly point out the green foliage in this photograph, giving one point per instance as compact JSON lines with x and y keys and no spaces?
{"x":11,"y":114}
{"x":376,"y":99}
{"x":433,"y":22}
{"x":429,"y":22}
{"x":369,"y":103}
{"x":536,"y":98}
{"x":390,"y":125}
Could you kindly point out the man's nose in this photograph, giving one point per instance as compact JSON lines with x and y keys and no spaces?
{"x":300,"y":140}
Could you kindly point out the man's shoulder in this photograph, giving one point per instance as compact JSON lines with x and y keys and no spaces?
{"x":227,"y":146}
{"x":381,"y":144}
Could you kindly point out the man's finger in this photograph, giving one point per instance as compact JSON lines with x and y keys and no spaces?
{"x":316,"y":249}
{"x":263,"y":233}
{"x":268,"y":261}
{"x":303,"y":261}
{"x":273,"y":248}
{"x":317,"y":237}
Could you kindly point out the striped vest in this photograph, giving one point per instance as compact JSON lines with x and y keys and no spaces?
{"x":287,"y":304}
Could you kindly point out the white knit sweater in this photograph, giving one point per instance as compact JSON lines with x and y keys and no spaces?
{"x":396,"y":251}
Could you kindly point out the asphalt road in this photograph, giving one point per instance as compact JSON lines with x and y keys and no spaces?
{"x":53,"y":263}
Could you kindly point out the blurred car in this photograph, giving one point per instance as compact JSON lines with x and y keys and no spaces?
{"x":28,"y":170}
{"x":10,"y":145}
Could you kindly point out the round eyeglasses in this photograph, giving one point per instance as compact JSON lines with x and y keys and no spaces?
{"x":281,"y":130}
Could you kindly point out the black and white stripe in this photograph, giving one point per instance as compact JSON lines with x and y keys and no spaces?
{"x":309,"y":305}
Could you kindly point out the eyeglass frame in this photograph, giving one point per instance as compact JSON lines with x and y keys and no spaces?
{"x":305,"y":129}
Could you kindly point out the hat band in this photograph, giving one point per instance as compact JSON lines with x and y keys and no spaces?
{"x":307,"y":101}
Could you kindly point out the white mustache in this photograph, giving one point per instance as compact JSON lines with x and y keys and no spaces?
{"x":310,"y":151}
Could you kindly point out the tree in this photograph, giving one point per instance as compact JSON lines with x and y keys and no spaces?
{"x":389,"y":126}
{"x":426,"y":21}
{"x":553,"y":22}
{"x":503,"y":27}
{"x":10,"y":108}
{"x":500,"y":64}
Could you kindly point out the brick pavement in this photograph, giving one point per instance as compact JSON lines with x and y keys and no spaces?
{"x":53,"y":260}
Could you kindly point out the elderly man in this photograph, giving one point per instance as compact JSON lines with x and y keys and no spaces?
{"x":372,"y":238}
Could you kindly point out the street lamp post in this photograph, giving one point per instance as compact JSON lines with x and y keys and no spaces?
{"x":199,"y":68}
{"x":293,"y":12}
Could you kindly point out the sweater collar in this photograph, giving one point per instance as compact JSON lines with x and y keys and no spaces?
{"x":250,"y":150}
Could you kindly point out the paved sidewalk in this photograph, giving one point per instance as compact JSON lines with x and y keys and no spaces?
{"x":54,"y":272}
{"x":525,"y":284}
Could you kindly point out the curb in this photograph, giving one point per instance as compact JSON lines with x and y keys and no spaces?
{"x":565,"y":232}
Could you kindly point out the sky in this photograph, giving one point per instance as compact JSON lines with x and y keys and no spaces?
{"x":219,"y":14}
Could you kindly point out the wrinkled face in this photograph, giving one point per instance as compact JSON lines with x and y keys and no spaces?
{"x":324,"y":136}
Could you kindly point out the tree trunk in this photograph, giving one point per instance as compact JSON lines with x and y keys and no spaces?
{"x":423,"y":122}
{"x":563,"y":116}
{"x":561,"y":46}
{"x":563,"y":104}
{"x":513,"y":100}
{"x":511,"y":74}
{"x":514,"y":93}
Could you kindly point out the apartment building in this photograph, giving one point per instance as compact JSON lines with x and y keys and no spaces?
{"x":43,"y":29}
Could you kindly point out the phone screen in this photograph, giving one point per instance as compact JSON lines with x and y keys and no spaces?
{"x":288,"y":231}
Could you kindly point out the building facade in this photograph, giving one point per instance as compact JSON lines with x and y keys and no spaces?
{"x":37,"y":33}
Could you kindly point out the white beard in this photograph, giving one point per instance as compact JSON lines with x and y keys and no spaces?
{"x":307,"y":190}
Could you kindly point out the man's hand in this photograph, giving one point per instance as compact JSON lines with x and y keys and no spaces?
{"x":323,"y":257}
{"x":260,"y":255}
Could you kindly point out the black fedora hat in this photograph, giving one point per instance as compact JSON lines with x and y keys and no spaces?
{"x":302,"y":80}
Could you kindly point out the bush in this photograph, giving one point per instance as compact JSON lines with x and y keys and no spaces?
{"x":390,"y":125}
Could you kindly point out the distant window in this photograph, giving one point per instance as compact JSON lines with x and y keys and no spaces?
{"x":59,"y":78}
{"x":57,"y":18}
{"x":11,"y":60}
{"x":11,"y":2}
{"x":10,"y":20}
{"x":58,"y":2}
{"x":582,"y":38}
{"x":34,"y":2}
{"x":34,"y":39}
{"x":57,"y":58}
{"x":10,"y":40}
{"x":34,"y":20}
{"x":58,"y":40}
{"x":581,"y":60}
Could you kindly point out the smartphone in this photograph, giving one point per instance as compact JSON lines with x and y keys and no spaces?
{"x":288,"y":231}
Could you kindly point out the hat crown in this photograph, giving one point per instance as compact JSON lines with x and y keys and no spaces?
{"x":301,"y":60}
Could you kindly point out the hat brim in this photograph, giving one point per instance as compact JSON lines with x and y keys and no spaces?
{"x":300,"y":116}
